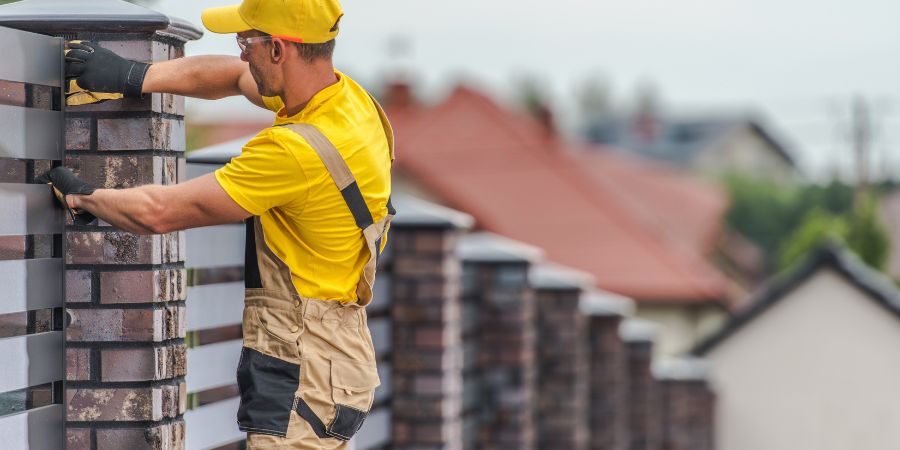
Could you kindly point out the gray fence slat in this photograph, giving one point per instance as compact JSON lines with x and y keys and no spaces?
{"x":197,"y":170}
{"x":28,"y":209}
{"x":375,"y":431}
{"x":215,"y":305}
{"x":28,"y":284}
{"x":381,"y":334}
{"x":212,"y":425}
{"x":381,"y":295}
{"x":218,"y":246}
{"x":30,"y":133}
{"x":383,"y":391}
{"x":212,"y":365}
{"x":31,"y":58}
{"x":35,"y":429}
{"x":31,"y":360}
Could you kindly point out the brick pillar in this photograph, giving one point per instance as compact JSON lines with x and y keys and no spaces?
{"x":498,"y":337}
{"x":608,"y":412}
{"x":688,"y":405}
{"x":562,"y":360}
{"x":645,"y":418}
{"x":425,"y":317}
{"x":125,"y":294}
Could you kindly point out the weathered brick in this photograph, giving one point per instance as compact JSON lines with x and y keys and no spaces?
{"x":12,"y":247}
{"x":152,"y":133}
{"x":78,"y":133}
{"x":117,"y":172}
{"x":78,"y":286}
{"x":96,"y":247}
{"x":78,"y":364}
{"x":117,"y":404}
{"x":13,"y":170}
{"x":130,"y":287}
{"x":125,"y":325}
{"x":12,"y":93}
{"x":169,"y":436}
{"x":78,"y":438}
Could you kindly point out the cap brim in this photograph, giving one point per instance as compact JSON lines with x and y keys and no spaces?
{"x":224,"y":19}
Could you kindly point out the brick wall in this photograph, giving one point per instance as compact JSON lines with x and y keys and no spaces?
{"x":644,"y":413}
{"x":425,"y":318}
{"x":688,"y":405}
{"x":499,"y":334}
{"x":563,"y":371}
{"x":125,"y":293}
{"x":608,"y":410}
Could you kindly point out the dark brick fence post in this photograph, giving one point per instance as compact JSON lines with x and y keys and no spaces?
{"x":645,"y":415}
{"x":125,"y":294}
{"x":425,"y":316}
{"x":498,"y":337}
{"x":608,"y":413}
{"x":688,"y":404}
{"x":562,"y":358}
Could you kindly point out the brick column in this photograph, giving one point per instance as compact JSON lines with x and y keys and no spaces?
{"x":645,"y":418}
{"x":562,"y":360}
{"x":425,"y":316}
{"x":498,"y":337}
{"x":608,"y":412}
{"x":688,"y":405}
{"x":125,"y":294}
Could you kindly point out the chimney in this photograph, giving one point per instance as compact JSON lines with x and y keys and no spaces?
{"x":399,"y":94}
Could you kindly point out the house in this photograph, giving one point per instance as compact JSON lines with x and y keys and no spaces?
{"x":711,"y":145}
{"x":812,"y":362}
{"x":643,"y":230}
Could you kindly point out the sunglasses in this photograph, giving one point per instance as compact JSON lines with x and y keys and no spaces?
{"x":244,"y":42}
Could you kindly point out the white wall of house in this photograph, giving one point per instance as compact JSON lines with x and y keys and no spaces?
{"x":743,"y":151}
{"x":819,"y":370}
{"x":682,"y":326}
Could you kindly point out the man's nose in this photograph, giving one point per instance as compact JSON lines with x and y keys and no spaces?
{"x":244,"y":57}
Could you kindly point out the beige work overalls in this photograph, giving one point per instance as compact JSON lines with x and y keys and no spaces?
{"x":307,"y":372}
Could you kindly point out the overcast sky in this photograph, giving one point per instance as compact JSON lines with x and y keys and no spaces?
{"x":795,"y":62}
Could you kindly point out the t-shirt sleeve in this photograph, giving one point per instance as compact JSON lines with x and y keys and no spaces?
{"x":264,"y":176}
{"x":273,"y":104}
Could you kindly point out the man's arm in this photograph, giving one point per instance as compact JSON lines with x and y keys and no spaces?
{"x":154,"y":209}
{"x":208,"y":77}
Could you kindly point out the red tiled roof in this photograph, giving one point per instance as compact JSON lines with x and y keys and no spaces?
{"x":643,"y":231}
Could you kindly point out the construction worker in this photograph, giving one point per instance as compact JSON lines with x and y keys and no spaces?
{"x":314,"y":190}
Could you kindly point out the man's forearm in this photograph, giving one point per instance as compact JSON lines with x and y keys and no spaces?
{"x":209,"y":77}
{"x":136,"y":210}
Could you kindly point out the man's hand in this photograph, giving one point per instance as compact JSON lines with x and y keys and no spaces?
{"x":97,"y":69}
{"x":64,"y":183}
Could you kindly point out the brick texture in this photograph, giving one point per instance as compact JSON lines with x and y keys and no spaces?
{"x":427,"y":374}
{"x":645,"y":418}
{"x":688,"y":408}
{"x":499,"y":356}
{"x":608,"y":409}
{"x":562,"y":370}
{"x":125,"y":294}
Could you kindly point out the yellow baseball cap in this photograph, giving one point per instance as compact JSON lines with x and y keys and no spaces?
{"x":307,"y":21}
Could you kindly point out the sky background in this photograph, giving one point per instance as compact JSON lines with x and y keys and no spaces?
{"x":795,"y":63}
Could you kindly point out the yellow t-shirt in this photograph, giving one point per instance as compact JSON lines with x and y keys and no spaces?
{"x":279,"y":177}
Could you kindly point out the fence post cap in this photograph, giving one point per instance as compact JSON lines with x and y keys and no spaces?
{"x":112,"y":16}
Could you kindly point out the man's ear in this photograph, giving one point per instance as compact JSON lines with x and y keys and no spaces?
{"x":277,"y":51}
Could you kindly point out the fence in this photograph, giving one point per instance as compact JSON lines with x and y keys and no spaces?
{"x":31,"y":227}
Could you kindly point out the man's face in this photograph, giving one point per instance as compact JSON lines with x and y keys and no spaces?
{"x":258,"y":54}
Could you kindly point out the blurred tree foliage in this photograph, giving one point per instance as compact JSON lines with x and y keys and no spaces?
{"x":787,"y":221}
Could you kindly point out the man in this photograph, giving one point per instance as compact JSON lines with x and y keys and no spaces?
{"x":314,"y":190}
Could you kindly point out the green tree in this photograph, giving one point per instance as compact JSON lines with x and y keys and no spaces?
{"x":861,"y":230}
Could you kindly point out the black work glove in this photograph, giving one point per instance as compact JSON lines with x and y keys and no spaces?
{"x":64,"y":182}
{"x":97,"y":69}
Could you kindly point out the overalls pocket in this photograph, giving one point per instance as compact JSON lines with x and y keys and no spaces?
{"x":267,"y":386}
{"x":353,"y":386}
